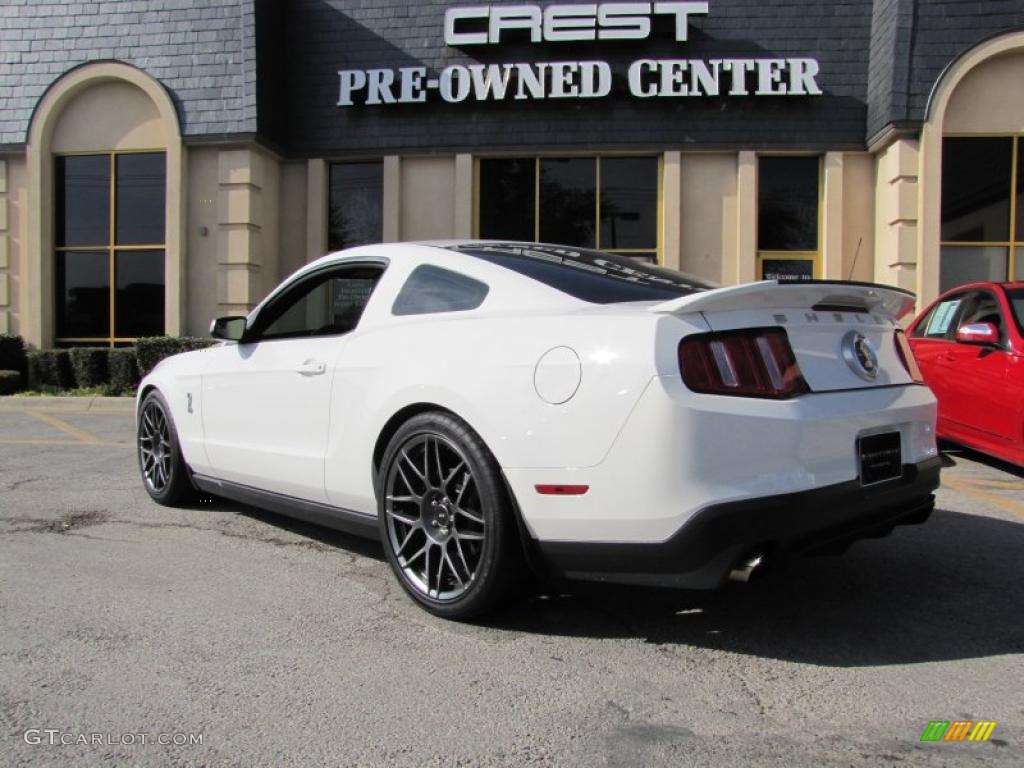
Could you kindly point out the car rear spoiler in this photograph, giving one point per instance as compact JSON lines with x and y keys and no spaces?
{"x":814,"y":295}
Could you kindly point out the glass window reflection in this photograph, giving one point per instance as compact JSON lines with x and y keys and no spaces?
{"x":83,"y":294}
{"x":356,"y":204}
{"x":139,"y":301}
{"x":787,"y":203}
{"x":82,"y":200}
{"x":141,"y":179}
{"x":629,"y":202}
{"x":976,"y":189}
{"x":568,"y":188}
{"x":507,"y":198}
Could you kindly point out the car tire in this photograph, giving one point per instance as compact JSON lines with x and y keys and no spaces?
{"x":445,"y":516}
{"x":164,"y":472}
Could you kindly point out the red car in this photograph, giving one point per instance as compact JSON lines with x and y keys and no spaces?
{"x":969,"y":345}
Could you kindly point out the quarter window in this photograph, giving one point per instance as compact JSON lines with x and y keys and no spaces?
{"x":982,"y":231}
{"x":109,"y":234}
{"x":609,"y":203}
{"x":356,"y":204}
{"x":788,"y":198}
{"x":432,"y":289}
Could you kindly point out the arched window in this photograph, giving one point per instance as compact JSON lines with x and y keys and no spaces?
{"x":105,"y":240}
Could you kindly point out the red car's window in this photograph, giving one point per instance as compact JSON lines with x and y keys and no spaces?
{"x":1016,"y":298}
{"x":983,"y":308}
{"x":938,"y":322}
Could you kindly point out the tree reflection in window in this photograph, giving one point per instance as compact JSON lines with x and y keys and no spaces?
{"x":356,"y":204}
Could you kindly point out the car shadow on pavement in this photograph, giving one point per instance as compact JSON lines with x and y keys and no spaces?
{"x":949,"y":589}
{"x":952,"y":454}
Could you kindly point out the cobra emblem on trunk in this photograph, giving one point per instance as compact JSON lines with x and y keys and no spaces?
{"x":860,"y":355}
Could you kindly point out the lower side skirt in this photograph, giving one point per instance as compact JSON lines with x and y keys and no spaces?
{"x":344,"y":520}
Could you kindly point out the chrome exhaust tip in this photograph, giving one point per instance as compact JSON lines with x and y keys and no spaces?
{"x":746,"y":569}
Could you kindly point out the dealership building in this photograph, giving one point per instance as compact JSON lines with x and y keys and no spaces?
{"x":163,"y":162}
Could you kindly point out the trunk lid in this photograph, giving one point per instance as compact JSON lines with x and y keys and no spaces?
{"x":843,"y":335}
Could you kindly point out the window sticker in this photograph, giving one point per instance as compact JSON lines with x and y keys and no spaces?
{"x":939,"y":322}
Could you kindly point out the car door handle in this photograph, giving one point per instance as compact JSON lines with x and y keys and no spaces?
{"x":311,"y":367}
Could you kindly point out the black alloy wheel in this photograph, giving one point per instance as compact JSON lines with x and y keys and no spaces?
{"x":164,"y":473}
{"x":445,"y":517}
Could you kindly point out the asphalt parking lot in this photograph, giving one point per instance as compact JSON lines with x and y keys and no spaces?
{"x":279,"y":643}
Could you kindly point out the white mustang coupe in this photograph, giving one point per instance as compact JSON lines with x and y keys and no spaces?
{"x":484,"y":406}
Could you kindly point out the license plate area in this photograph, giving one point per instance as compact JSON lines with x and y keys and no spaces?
{"x":880,"y":457}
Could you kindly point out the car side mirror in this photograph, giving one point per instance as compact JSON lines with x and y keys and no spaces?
{"x":228,"y":328}
{"x":977,"y":333}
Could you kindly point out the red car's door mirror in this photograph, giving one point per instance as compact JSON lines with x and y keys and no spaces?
{"x":977,"y":333}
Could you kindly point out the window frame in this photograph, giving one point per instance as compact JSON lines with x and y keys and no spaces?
{"x":1013,"y":244}
{"x":294,"y":291}
{"x":110,"y":248}
{"x":659,"y":246}
{"x":769,"y":255}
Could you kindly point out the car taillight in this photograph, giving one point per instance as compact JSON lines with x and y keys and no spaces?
{"x":907,"y":357}
{"x":754,"y":362}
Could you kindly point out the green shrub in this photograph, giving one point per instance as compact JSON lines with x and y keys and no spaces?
{"x":10,"y":382}
{"x":151,"y":350}
{"x":12,"y":353}
{"x":124,"y":371}
{"x":89,"y":365}
{"x":50,"y":369}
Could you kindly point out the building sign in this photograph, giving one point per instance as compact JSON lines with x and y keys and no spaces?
{"x":569,"y":79}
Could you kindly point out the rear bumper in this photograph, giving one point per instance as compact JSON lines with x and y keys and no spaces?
{"x":679,"y":453}
{"x":701,"y":553}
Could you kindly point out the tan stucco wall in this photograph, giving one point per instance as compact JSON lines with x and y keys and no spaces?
{"x":428,"y":194}
{"x":896,"y":212}
{"x":253,"y":210}
{"x":110,"y":115}
{"x":989,"y":98}
{"x":248,"y":230}
{"x":292,"y":248}
{"x":201,"y":215}
{"x":13,"y":211}
{"x":858,"y":205}
{"x":270,"y":269}
{"x":708,"y":227}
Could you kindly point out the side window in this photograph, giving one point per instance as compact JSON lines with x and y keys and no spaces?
{"x":327,"y":304}
{"x":983,"y":309}
{"x":432,"y":289}
{"x":939,"y":322}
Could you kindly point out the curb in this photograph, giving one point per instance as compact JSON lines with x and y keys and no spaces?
{"x":94,"y":404}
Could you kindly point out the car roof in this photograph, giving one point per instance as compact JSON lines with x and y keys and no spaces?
{"x":408,"y":255}
{"x":528,"y":273}
{"x":984,"y":284}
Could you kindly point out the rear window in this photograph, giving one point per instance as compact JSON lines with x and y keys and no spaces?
{"x":1016,"y":298}
{"x":593,"y":276}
